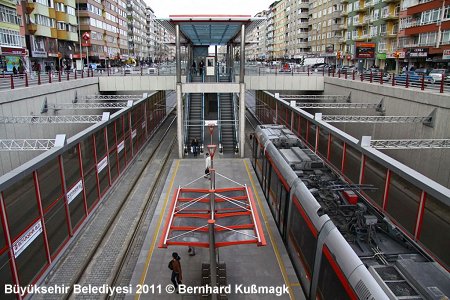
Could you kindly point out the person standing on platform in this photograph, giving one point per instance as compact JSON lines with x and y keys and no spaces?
{"x":207,"y":165}
{"x":201,"y":65}
{"x":177,"y":274}
{"x":194,"y":147}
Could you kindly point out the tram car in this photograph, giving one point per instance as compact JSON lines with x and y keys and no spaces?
{"x":341,"y":246}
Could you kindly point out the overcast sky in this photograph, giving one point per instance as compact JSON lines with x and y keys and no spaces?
{"x":164,"y":8}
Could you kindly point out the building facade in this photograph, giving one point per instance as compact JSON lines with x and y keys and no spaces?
{"x":326,"y":29}
{"x":105,"y":22}
{"x":424,"y":36}
{"x":257,"y":37}
{"x":151,"y":39}
{"x":13,"y":53}
{"x":51,"y":33}
{"x":296,"y":36}
{"x":137,"y":29}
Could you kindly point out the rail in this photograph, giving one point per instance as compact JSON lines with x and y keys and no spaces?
{"x":72,"y":179}
{"x":415,"y":203}
{"x":219,"y":123}
{"x":420,"y":82}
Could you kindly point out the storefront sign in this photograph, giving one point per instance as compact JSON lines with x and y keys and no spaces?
{"x":446,"y":54}
{"x":381,"y":56}
{"x":417,"y":52}
{"x":102,"y":164}
{"x":120,"y":146}
{"x":365,"y":50}
{"x":38,"y":54}
{"x":401,"y":54}
{"x":27,"y":238}
{"x":75,"y":191}
{"x":13,"y":51}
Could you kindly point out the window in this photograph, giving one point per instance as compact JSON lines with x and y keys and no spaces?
{"x":61,"y":26}
{"x":430,"y":16}
{"x":10,"y":38}
{"x":44,"y":21}
{"x":8,"y":15}
{"x":70,"y":10}
{"x":445,"y":37}
{"x":427,"y":39}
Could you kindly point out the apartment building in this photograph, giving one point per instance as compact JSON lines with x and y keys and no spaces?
{"x":150,"y":31}
{"x":13,"y":52}
{"x":297,"y":15}
{"x":326,"y":29}
{"x":373,"y":21}
{"x":257,"y":37}
{"x":137,"y":29}
{"x":270,"y":30}
{"x":51,"y":32}
{"x":106,"y":24}
{"x":424,"y":36}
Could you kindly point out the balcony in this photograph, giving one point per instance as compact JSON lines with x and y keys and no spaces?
{"x":389,"y":16}
{"x":336,"y":27}
{"x":368,"y":4}
{"x":392,"y":33}
{"x":344,"y":13}
{"x":390,"y":1}
{"x":336,"y":14}
{"x":363,"y":37}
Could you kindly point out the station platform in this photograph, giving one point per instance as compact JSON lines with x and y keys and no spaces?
{"x":251,"y":270}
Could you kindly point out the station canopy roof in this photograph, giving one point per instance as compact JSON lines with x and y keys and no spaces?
{"x":210,"y":29}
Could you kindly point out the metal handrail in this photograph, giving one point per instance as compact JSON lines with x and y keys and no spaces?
{"x":203,"y":117}
{"x":235,"y":125}
{"x":219,"y":125}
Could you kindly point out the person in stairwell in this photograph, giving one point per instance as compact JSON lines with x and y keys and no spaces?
{"x":207,"y":166}
{"x":194,"y":147}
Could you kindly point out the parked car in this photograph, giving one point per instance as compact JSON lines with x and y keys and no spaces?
{"x":423,"y":71}
{"x":347,"y":69}
{"x":413,"y":77}
{"x":438,"y":73}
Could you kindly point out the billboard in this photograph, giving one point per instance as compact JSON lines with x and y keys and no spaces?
{"x":365,"y":50}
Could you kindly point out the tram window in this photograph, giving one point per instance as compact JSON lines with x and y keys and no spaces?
{"x":302,"y":236}
{"x":329,"y":284}
{"x":273,"y":193}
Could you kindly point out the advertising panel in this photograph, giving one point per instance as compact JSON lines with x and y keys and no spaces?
{"x":365,"y":50}
{"x":417,"y":52}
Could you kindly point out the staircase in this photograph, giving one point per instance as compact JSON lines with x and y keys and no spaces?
{"x":195,"y":115}
{"x":227,"y":120}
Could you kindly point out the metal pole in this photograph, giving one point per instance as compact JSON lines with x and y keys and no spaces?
{"x":79,"y":37}
{"x":177,"y":52}
{"x":212,"y":240}
{"x":179,"y":99}
{"x":212,"y":254}
{"x":242,"y":94}
{"x":242,"y":55}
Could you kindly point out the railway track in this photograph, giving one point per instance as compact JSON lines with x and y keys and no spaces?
{"x":98,"y":253}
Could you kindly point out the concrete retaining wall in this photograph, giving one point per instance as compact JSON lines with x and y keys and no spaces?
{"x":28,"y":101}
{"x":398,"y":101}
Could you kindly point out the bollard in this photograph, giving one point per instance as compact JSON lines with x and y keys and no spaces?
{"x":323,"y":70}
{"x":353,"y":74}
{"x":329,"y":72}
{"x":441,"y":90}
{"x":308,"y":70}
{"x":407,"y":81}
{"x":422,"y":82}
{"x":333,"y":72}
{"x":339,"y":73}
{"x":345,"y":75}
{"x":381,"y":78}
{"x":12,"y":82}
{"x":362,"y":76}
{"x":107,"y":70}
{"x":59,"y":76}
{"x":75,"y":71}
{"x":68,"y":75}
{"x":141,"y":71}
{"x":26,"y":79}
{"x":393,"y":79}
{"x":82,"y":73}
{"x":49,"y":76}
{"x":371,"y":76}
{"x":39,"y":77}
